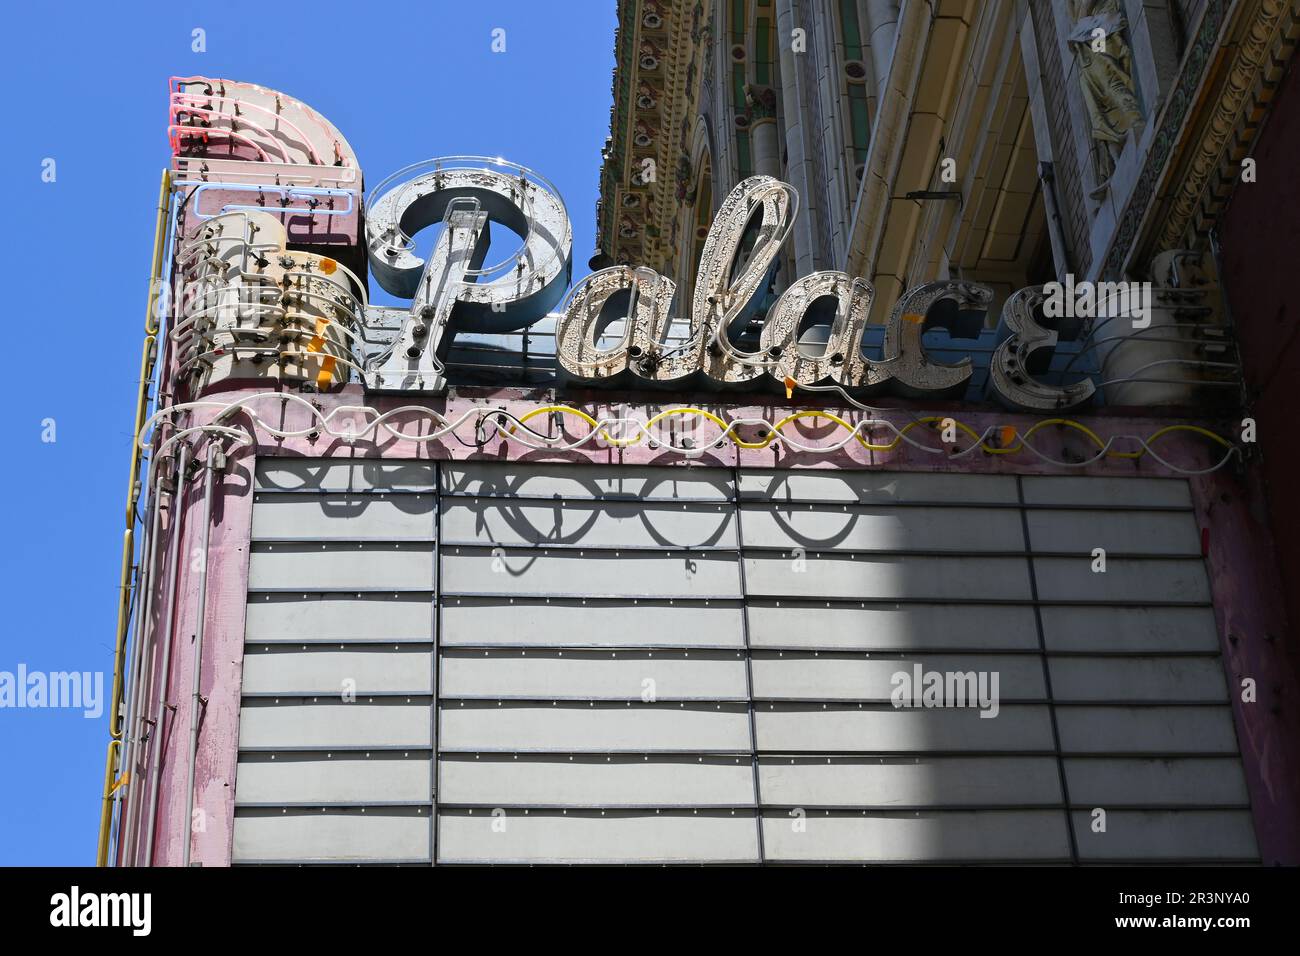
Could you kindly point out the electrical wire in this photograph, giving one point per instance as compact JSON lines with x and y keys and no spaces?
{"x":994,"y":440}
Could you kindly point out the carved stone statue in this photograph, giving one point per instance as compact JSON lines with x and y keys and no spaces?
{"x":760,"y":101}
{"x":1106,"y":78}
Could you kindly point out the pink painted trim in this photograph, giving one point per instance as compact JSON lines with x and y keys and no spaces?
{"x":193,"y":103}
{"x":221,"y":677}
{"x":1252,"y":626}
{"x":174,"y":134}
{"x":300,"y":222}
{"x":1058,"y":442}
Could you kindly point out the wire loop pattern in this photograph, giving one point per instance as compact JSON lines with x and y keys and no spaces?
{"x":352,"y":423}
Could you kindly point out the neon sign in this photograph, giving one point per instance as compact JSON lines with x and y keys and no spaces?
{"x":454,"y":290}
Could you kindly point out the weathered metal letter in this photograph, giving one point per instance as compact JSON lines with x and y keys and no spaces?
{"x":842,"y":362}
{"x":951,"y":304}
{"x":1028,"y":351}
{"x":446,"y":292}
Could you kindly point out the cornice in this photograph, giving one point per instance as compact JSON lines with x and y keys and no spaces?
{"x":651,"y":103}
{"x":1179,"y":123}
{"x":1226,"y":114}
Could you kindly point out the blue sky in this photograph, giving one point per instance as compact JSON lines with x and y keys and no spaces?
{"x":85,"y":84}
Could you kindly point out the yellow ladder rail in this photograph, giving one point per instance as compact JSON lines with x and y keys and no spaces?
{"x":148,"y":356}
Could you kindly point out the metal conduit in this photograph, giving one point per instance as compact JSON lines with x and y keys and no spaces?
{"x":169,"y":627}
{"x":215,"y":461}
{"x":148,"y":361}
{"x":122,"y":788}
{"x":154,"y":324}
{"x":141,"y":681}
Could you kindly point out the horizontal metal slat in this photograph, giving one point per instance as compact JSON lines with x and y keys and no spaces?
{"x":346,"y":474}
{"x":328,"y":722}
{"x":1092,"y":489}
{"x":575,"y":482}
{"x":818,"y":528}
{"x":381,"y":616}
{"x":341,"y":516}
{"x":1167,"y":782}
{"x":1129,"y":629}
{"x":608,"y":674}
{"x":793,"y":728}
{"x":1138,"y":679}
{"x":908,"y":781}
{"x":608,"y":524}
{"x":596,"y":780}
{"x":1227,"y":835}
{"x":572,"y":726}
{"x":539,"y":572}
{"x":1125,"y":579}
{"x":1146,"y":730}
{"x":615,"y":836}
{"x":929,"y":836}
{"x":539,"y":622}
{"x":883,"y":578}
{"x":326,"y":777}
{"x":891,"y":626}
{"x":329,"y":669}
{"x":817,"y":677}
{"x":396,"y":834}
{"x":1118,"y":533}
{"x":340,"y":567}
{"x":874,"y":487}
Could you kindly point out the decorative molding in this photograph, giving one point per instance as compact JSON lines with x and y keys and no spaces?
{"x":1241,"y":79}
{"x":653,"y":100}
{"x":1143,"y":221}
{"x":1198,"y":56}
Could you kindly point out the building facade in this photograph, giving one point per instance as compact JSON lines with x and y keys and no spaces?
{"x":643,"y":571}
{"x":983,"y":141}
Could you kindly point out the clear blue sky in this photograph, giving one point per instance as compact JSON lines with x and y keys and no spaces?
{"x":86,"y":84}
